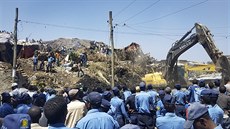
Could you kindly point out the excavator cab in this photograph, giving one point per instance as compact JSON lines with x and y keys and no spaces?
{"x":204,"y":37}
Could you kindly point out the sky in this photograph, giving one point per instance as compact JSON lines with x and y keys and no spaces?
{"x":154,"y":24}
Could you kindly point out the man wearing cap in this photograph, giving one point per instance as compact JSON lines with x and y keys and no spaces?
{"x":193,"y":95}
{"x":16,"y":121}
{"x":126,"y":93}
{"x":76,"y":109}
{"x":95,"y":119}
{"x":152,"y":93}
{"x":6,"y":107}
{"x":198,"y":118}
{"x":170,"y":120}
{"x":119,"y":106}
{"x":209,"y":98}
{"x":180,"y":101}
{"x":215,"y":112}
{"x":143,"y":103}
{"x":130,"y":103}
{"x":105,"y":106}
{"x":160,"y":106}
{"x":15,"y":90}
{"x":25,"y":103}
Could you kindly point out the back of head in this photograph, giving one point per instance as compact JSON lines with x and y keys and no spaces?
{"x":178,"y":86}
{"x":201,"y":83}
{"x":107,"y":95}
{"x":124,"y":87}
{"x":55,"y":110}
{"x":99,"y":90}
{"x":105,"y":105}
{"x":39,"y":100}
{"x":149,"y":87}
{"x":161,"y":94}
{"x":217,"y":82}
{"x":142,"y":86}
{"x":6,"y":97}
{"x":25,"y":98}
{"x":116,"y":91}
{"x":169,"y":103}
{"x":226,"y":80}
{"x":205,"y":96}
{"x":222,"y":89}
{"x":168,"y":90}
{"x":133,"y":90}
{"x":194,"y":81}
{"x":94,"y":99}
{"x":35,"y":113}
{"x":214,"y":96}
{"x":73,"y":94}
{"x":211,"y":85}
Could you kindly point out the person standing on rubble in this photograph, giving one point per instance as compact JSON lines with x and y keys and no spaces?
{"x":50,"y":61}
{"x":35,"y":62}
{"x":57,"y":56}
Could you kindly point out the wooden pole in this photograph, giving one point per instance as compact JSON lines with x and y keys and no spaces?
{"x":112,"y":46}
{"x":15,"y":47}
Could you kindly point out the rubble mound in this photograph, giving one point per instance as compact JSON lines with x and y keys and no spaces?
{"x":130,"y":66}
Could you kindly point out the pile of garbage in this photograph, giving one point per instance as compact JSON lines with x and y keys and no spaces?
{"x":130,"y":65}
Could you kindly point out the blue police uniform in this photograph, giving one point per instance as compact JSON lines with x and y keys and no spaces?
{"x":180,"y":97}
{"x":23,"y":108}
{"x":180,"y":101}
{"x":97,"y":120}
{"x":216,"y":113}
{"x":142,"y":102}
{"x":58,"y":126}
{"x":193,"y":92}
{"x":5,"y":110}
{"x":153,"y":94}
{"x":120,"y":111}
{"x":170,"y":121}
{"x":126,"y":94}
{"x":160,"y":109}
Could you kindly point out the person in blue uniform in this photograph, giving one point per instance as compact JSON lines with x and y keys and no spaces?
{"x":152,"y":93}
{"x":6,"y":107}
{"x":180,"y":101}
{"x":159,"y":105}
{"x":143,"y":103}
{"x":95,"y":119}
{"x":170,"y":120}
{"x":199,"y":118}
{"x":120,"y":111}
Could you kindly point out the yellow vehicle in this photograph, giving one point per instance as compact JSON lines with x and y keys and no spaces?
{"x":198,"y":69}
{"x":156,"y":79}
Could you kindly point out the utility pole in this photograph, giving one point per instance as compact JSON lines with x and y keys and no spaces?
{"x":112,"y":46}
{"x":15,"y":47}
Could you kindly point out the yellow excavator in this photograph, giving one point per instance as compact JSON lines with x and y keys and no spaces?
{"x":203,"y":36}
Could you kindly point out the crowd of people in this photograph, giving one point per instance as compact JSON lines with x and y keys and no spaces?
{"x":47,"y":62}
{"x":200,"y":106}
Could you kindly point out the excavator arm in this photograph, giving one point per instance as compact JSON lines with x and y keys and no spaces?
{"x":202,"y":36}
